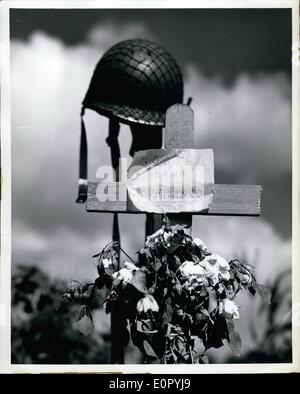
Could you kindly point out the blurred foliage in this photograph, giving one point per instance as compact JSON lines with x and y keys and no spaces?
{"x":43,"y":330}
{"x":274,"y":343}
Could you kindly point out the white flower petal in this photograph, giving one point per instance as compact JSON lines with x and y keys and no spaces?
{"x":124,"y":274}
{"x":186,"y":268}
{"x":225,"y":275}
{"x":130,"y":266}
{"x":147,"y":304}
{"x":198,"y":242}
{"x":230,"y":307}
{"x":106,"y":263}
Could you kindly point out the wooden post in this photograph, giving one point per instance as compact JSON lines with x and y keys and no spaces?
{"x":179,"y":133}
{"x":117,"y":320}
{"x":153,"y":223}
{"x":118,"y":325}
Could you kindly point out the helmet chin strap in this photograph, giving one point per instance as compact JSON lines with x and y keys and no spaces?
{"x":113,"y":142}
{"x":83,"y":153}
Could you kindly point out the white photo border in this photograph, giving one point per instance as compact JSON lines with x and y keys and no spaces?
{"x":5,"y":265}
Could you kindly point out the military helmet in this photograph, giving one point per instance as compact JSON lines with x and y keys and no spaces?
{"x":135,"y":81}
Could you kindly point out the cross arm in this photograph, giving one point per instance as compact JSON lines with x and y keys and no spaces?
{"x":239,"y":200}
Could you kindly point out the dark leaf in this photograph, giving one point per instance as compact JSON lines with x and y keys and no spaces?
{"x":139,"y":281}
{"x":110,"y":302}
{"x":126,"y":336}
{"x":167,"y":315}
{"x":229,"y":322}
{"x":157,"y":265}
{"x":137,"y":337}
{"x":140,"y":339}
{"x":85,"y":322}
{"x":85,"y":325}
{"x":204,"y":311}
{"x":200,"y":316}
{"x":203,"y":359}
{"x":180,"y":359}
{"x":87,"y":292}
{"x":145,"y":326}
{"x":252,"y":290}
{"x":177,"y":289}
{"x":148,"y":253}
{"x":116,"y":283}
{"x":80,"y":312}
{"x":149,"y":350}
{"x":234,"y":342}
{"x":263,"y":291}
{"x":215,"y":333}
{"x":179,"y":344}
{"x":149,"y":326}
{"x":110,"y":270}
{"x":175,"y":244}
{"x":99,"y":282}
{"x":75,"y":288}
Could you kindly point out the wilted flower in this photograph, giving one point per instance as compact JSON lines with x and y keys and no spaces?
{"x":190,"y":284}
{"x":167,"y":235}
{"x":231,"y":292}
{"x":130,"y":266}
{"x":216,"y":267}
{"x":227,"y":306}
{"x":190,"y":268}
{"x":186,"y":267}
{"x":124,"y":275}
{"x":198,"y":242}
{"x":106,"y":263}
{"x":147,"y":304}
{"x":75,"y":288}
{"x":153,"y":236}
{"x":212,"y":272}
{"x":193,"y":272}
{"x":224,"y":273}
{"x":219,"y":260}
{"x":78,"y":291}
{"x":193,"y":282}
{"x":197,"y":270}
{"x":246,"y":278}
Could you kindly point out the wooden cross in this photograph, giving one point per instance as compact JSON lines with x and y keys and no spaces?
{"x":233,"y":200}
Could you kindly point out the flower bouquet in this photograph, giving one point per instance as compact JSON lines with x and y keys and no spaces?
{"x":176,"y":299}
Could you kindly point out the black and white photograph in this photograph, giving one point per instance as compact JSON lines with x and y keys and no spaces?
{"x":150,"y":186}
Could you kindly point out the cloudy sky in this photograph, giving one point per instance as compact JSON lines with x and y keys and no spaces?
{"x":236,"y":66}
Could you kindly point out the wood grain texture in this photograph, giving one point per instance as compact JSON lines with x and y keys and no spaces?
{"x":179,"y":132}
{"x":239,"y":200}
